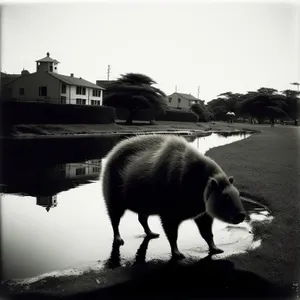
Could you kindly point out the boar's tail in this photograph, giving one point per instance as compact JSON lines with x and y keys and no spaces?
{"x":112,"y":188}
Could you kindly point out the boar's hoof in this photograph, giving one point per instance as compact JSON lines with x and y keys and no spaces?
{"x":118,"y":241}
{"x":177,"y":256}
{"x":215,"y":251}
{"x":152,"y":235}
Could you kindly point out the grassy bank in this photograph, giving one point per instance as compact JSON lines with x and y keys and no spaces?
{"x":266,"y":168}
{"x":31,"y":130}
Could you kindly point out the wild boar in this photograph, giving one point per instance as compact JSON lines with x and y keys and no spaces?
{"x":164,"y":175}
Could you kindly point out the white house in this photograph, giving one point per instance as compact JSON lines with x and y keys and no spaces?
{"x":88,"y":170}
{"x":182,"y":101}
{"x":46,"y":84}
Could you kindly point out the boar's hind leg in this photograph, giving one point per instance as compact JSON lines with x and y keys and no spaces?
{"x":143,"y":219}
{"x":171,"y":230}
{"x":115,"y":215}
{"x":204,"y":224}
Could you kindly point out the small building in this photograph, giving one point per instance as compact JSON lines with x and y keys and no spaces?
{"x":47,"y":201}
{"x":47,"y":85}
{"x":6,"y":78}
{"x":182,"y":101}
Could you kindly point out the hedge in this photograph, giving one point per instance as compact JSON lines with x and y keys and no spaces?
{"x":148,"y":114}
{"x":13,"y":112}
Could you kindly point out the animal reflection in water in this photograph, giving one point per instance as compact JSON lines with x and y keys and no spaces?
{"x":165,"y":176}
{"x":114,"y":260}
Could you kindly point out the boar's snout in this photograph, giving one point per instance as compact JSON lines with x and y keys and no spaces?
{"x":239,"y":218}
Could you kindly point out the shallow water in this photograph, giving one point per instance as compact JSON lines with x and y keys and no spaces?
{"x":53,"y":218}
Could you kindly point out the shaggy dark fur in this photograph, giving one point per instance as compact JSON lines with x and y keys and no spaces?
{"x":164,"y":175}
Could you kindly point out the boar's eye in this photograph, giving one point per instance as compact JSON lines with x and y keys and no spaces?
{"x":226,"y":198}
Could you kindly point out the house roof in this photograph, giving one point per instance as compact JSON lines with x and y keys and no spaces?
{"x":189,"y":97}
{"x":75,"y":81}
{"x":8,"y":78}
{"x":9,"y":75}
{"x":48,"y":59}
{"x":104,"y":83}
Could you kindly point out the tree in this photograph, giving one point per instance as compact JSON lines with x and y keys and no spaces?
{"x":134,"y":91}
{"x":218,"y":107}
{"x":264,"y":105}
{"x":267,"y":91}
{"x":226,"y":102}
{"x":232,"y":100}
{"x":202,"y":111}
{"x":293,"y":103}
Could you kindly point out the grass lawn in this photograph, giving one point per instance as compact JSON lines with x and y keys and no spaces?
{"x":266,"y":168}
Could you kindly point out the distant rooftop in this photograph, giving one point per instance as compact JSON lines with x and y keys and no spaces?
{"x":48,"y":59}
{"x":3,"y":74}
{"x":6,"y":78}
{"x":75,"y":81}
{"x":104,"y":83}
{"x":187,"y":96}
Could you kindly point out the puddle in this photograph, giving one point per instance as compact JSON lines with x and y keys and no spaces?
{"x":54,"y":222}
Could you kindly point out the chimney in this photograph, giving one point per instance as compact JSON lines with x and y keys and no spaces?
{"x":72,"y":74}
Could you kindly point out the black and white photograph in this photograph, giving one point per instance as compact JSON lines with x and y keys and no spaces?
{"x":149,"y":150}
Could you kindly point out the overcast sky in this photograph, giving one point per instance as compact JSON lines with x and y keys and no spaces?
{"x":219,"y":47}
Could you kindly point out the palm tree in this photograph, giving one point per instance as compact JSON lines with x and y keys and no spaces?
{"x":134,"y":91}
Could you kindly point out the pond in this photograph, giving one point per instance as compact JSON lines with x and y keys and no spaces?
{"x":53,"y":215}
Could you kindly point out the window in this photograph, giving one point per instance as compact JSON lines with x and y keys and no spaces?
{"x":63,"y":100}
{"x":80,"y":101}
{"x":95,"y":102}
{"x":63,"y":88}
{"x":22,"y":91}
{"x":80,"y":171}
{"x":96,"y":93}
{"x":42,"y":91}
{"x":179,"y":100}
{"x":170,"y":100}
{"x":51,"y":68}
{"x":80,"y":90}
{"x":96,"y":169}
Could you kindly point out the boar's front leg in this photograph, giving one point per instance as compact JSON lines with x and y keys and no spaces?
{"x":204,"y":224}
{"x":171,"y":229}
{"x":143,"y":219}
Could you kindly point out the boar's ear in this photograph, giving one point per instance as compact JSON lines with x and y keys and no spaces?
{"x":214,"y":183}
{"x":230,"y":178}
